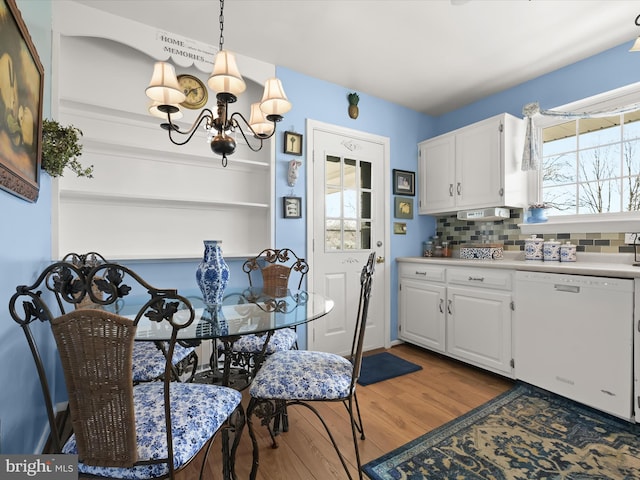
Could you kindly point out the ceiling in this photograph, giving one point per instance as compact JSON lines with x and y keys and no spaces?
{"x":433,"y":56}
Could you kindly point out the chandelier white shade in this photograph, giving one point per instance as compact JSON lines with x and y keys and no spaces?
{"x":153,"y":110}
{"x":163,"y":87}
{"x":274,"y":100}
{"x":226,"y":77}
{"x":258,"y":122}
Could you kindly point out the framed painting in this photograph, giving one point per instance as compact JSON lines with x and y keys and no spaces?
{"x":21,"y":87}
{"x":403,"y":207}
{"x":404,"y":182}
{"x":292,"y":207}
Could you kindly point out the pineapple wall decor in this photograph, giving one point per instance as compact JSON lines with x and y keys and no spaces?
{"x":353,"y":105}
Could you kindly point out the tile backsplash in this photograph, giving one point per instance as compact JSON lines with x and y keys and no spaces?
{"x":507,"y":232}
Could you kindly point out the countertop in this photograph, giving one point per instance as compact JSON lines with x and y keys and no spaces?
{"x":619,"y":265}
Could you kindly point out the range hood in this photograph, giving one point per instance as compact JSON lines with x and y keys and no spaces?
{"x":484,"y":214}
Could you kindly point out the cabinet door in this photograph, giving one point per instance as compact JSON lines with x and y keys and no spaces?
{"x":436,"y":169}
{"x":422,"y":314}
{"x":479,"y":327}
{"x":478,"y":158}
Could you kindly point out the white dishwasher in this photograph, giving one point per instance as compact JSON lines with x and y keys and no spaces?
{"x":573,"y":335}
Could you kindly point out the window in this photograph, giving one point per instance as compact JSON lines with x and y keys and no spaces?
{"x":592,"y":165}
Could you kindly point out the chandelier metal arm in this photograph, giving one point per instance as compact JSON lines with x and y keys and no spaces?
{"x":236,"y":124}
{"x":205,"y":114}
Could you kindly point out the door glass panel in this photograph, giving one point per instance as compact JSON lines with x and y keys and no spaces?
{"x":333,"y":235}
{"x":348,"y":204}
{"x":350,"y":233}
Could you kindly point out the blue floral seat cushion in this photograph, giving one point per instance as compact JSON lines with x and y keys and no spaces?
{"x":149,"y":362}
{"x":282,"y":340}
{"x":303,"y":375}
{"x":197,"y":412}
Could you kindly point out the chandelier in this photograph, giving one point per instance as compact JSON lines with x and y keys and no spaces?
{"x":227,"y":83}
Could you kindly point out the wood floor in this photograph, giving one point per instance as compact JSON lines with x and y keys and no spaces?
{"x":394,"y":412}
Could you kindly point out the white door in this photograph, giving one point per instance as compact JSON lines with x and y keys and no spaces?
{"x":347,"y":220}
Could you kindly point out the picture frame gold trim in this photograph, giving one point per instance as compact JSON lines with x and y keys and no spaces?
{"x":21,"y":97}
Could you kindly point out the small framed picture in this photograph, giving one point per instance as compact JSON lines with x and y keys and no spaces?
{"x":292,"y":207}
{"x":403,"y":207}
{"x":293,"y":143}
{"x":399,"y":228}
{"x":404,"y":182}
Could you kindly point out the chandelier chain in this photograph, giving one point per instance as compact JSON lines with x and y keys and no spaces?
{"x":221,"y":19}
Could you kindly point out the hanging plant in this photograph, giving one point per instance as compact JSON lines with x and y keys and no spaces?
{"x":61,"y":148}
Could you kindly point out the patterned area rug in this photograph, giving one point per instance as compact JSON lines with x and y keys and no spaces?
{"x":525,"y":433}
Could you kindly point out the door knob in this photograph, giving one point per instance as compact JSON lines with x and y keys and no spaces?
{"x":380,"y":260}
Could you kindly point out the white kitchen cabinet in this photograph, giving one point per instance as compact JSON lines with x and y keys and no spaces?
{"x":464,"y":313}
{"x":422,"y":309}
{"x":479,"y":327}
{"x":473,"y":167}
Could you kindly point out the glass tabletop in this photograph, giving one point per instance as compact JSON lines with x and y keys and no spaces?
{"x":243,"y":311}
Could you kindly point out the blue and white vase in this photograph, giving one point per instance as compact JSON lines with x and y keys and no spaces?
{"x":212,"y":274}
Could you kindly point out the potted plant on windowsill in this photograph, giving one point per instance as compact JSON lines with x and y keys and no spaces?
{"x":537,"y":213}
{"x":61,"y":148}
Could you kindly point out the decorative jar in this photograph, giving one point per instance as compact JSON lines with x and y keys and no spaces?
{"x":212,"y":274}
{"x":533,"y":248}
{"x":567,"y":252}
{"x":551,"y":251}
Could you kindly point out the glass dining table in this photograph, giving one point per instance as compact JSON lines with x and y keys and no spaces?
{"x":244,"y":311}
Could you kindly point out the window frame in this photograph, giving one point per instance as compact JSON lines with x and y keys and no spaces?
{"x":584,"y":223}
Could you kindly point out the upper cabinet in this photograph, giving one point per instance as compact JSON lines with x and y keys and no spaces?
{"x":476,"y":166}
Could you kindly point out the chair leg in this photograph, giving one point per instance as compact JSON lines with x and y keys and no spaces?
{"x":359,"y":425}
{"x":254,"y":442}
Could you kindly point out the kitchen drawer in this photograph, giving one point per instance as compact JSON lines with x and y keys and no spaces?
{"x":496,"y":279}
{"x":419,"y":271}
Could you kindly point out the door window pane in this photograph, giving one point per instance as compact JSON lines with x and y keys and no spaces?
{"x":348,"y":204}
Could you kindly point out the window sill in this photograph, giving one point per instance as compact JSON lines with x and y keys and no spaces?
{"x":605,"y":223}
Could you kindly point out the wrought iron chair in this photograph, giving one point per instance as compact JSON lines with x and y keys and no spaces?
{"x":276,"y":269}
{"x":148,"y":357}
{"x":302,"y":377}
{"x":122,"y":430}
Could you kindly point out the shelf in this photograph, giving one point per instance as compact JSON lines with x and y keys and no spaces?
{"x":155,"y":201}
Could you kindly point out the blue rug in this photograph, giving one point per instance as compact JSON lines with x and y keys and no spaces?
{"x":525,"y":433}
{"x":383,"y":366}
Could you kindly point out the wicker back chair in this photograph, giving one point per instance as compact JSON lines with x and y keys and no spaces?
{"x":276,"y":270}
{"x":148,"y":357}
{"x":117,"y":432}
{"x":303,"y":377}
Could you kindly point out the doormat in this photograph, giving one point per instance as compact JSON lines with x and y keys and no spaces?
{"x":522,"y":434}
{"x":383,"y":366}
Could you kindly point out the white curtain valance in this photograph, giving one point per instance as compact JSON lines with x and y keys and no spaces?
{"x":531,"y":154}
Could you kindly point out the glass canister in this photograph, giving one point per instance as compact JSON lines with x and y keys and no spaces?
{"x":427,"y":249}
{"x":567,"y":252}
{"x":533,"y":248}
{"x":446,"y":249}
{"x":551,"y":251}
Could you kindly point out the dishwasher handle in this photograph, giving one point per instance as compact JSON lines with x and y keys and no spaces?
{"x":566,"y":288}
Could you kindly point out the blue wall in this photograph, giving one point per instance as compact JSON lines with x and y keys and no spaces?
{"x":25,"y":248}
{"x":26,"y":227}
